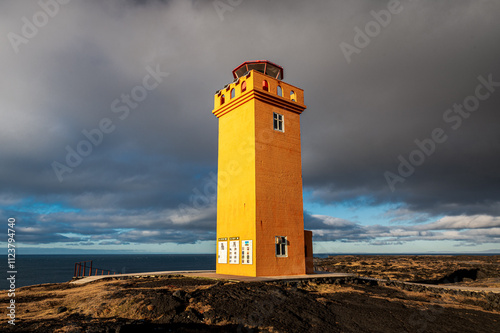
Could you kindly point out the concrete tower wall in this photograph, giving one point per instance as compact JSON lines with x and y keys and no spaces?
{"x":260,"y":177}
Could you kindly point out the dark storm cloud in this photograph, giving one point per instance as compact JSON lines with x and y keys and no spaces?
{"x":159,"y":160}
{"x":103,"y":226}
{"x":398,"y":90}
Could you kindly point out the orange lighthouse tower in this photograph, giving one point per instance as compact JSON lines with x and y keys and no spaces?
{"x":260,"y":220}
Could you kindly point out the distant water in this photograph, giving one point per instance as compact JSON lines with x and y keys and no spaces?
{"x":37,"y":269}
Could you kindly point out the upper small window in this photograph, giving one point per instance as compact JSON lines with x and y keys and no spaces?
{"x":279,"y":91}
{"x":281,"y":246}
{"x":292,"y":96}
{"x":233,"y":92}
{"x":244,"y":86}
{"x":278,"y":122}
{"x":265,"y":85}
{"x":222,"y":99}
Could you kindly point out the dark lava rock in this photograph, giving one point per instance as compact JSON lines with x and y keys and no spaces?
{"x":61,"y":309}
{"x":179,"y":294}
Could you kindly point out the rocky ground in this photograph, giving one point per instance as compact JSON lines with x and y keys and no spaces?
{"x":479,"y":271}
{"x":180,"y":304}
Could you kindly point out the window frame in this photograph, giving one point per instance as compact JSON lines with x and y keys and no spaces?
{"x":265,"y":85}
{"x":281,"y":245}
{"x":278,"y":119}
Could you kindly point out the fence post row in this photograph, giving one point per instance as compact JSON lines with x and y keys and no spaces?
{"x":81,"y":269}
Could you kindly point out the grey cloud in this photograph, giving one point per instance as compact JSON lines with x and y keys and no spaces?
{"x":361,"y":116}
{"x":470,"y":230}
{"x":463,"y":222}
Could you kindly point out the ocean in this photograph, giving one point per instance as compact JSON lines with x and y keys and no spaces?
{"x":38,"y":269}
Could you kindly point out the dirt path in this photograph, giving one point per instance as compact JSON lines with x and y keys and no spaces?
{"x":319,"y":275}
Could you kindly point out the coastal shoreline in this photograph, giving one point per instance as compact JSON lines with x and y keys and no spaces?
{"x":352,"y":303}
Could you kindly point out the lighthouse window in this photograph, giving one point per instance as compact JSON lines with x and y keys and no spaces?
{"x":292,"y":96}
{"x":232,"y":93}
{"x":222,"y":99}
{"x":244,"y":86}
{"x":279,"y":91}
{"x":278,"y":122}
{"x":265,"y":85}
{"x":281,"y":246}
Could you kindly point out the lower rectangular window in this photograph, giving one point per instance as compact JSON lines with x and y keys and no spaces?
{"x":281,"y":246}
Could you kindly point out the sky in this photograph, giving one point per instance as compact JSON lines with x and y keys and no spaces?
{"x":108,"y":143}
